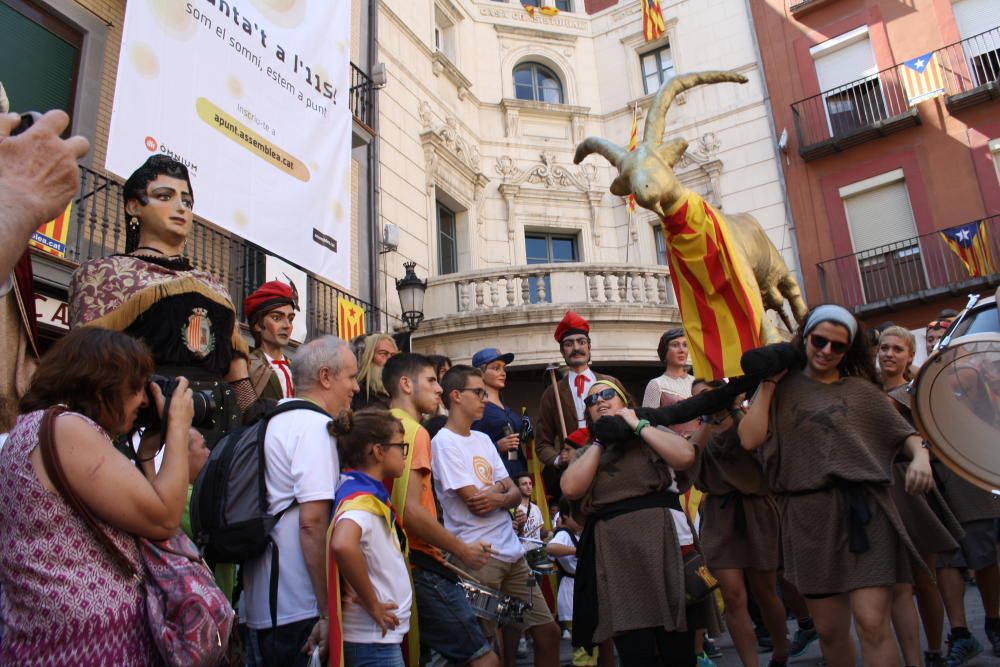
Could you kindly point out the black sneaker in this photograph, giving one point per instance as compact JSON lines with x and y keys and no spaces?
{"x":934,"y":660}
{"x":711,"y":649}
{"x":993,"y":634}
{"x":765,"y":644}
{"x":801,"y":641}
{"x":961,"y":651}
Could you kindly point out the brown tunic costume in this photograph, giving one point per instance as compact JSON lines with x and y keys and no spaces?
{"x":739,"y":518}
{"x":828,"y":457}
{"x":928,"y":521}
{"x":640,"y":573}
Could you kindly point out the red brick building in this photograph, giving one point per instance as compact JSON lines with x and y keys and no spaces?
{"x":874,"y":174}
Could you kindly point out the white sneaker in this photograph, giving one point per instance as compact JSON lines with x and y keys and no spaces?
{"x":522,"y":647}
{"x":566,"y":635}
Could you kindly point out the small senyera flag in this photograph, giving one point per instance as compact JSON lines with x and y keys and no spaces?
{"x":51,"y":237}
{"x":350,"y":319}
{"x":922,"y":78}
{"x":652,"y":20}
{"x":549,"y":11}
{"x":633,"y":139}
{"x":972,"y":245}
{"x":530,"y":10}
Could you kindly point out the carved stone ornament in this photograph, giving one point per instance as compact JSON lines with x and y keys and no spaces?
{"x":546,"y":173}
{"x":451,"y":158}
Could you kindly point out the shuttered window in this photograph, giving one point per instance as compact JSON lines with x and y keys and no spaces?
{"x":844,"y":59}
{"x":976,"y":16}
{"x":879,"y":211}
{"x":40,"y":58}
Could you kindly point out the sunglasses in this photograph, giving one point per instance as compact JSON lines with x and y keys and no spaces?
{"x":820,"y":342}
{"x":404,"y":447}
{"x":602,"y":395}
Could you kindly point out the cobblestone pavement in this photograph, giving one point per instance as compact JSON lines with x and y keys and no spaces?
{"x":812,"y":658}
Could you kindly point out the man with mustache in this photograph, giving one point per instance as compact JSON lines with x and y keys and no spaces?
{"x":573,"y":336}
{"x":270,"y":310}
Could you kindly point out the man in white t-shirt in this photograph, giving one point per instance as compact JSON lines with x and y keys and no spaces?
{"x":302,"y":472}
{"x":476,"y":493}
{"x":533,"y":527}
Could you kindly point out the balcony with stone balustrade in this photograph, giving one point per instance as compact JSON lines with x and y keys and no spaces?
{"x":517,"y":309}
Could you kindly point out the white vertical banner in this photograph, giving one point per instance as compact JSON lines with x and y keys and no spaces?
{"x":251,"y":95}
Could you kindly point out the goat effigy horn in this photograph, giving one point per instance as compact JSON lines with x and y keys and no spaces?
{"x":612,"y":151}
{"x":656,"y":118}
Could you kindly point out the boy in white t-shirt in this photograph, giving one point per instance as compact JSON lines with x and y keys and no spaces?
{"x":367,"y":542}
{"x":476,"y":493}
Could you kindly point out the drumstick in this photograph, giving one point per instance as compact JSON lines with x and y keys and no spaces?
{"x":462,"y":573}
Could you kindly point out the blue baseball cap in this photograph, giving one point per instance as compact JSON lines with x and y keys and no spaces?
{"x":489,"y":355}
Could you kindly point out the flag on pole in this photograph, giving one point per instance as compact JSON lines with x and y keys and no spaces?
{"x":633,"y":139}
{"x":652,"y":20}
{"x":350,"y":319}
{"x":530,"y":10}
{"x":972,"y":245}
{"x":922,"y":78}
{"x":720,"y":304}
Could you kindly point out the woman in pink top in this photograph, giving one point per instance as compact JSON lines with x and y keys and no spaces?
{"x":65,"y":601}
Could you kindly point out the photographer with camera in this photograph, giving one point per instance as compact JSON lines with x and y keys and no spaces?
{"x":152,"y":292}
{"x":61,"y":584}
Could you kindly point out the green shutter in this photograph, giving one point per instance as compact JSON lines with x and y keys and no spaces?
{"x":37,"y":68}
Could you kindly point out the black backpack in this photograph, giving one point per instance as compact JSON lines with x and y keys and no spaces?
{"x":230,"y":520}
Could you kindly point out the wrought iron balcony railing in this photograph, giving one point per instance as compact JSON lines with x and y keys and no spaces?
{"x":918,"y":268}
{"x":97,"y":229}
{"x":362,"y":94}
{"x":877,"y":105}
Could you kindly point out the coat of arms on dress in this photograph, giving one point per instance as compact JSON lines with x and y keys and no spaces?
{"x":197,"y":333}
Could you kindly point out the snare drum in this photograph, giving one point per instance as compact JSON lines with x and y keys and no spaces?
{"x":493,"y":605}
{"x":956,"y":396}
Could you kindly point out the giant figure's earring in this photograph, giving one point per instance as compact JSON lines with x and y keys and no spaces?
{"x":133,"y":223}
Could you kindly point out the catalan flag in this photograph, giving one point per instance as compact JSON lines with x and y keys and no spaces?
{"x":530,"y":9}
{"x":652,"y":20}
{"x":548,"y":11}
{"x":350,"y":319}
{"x":51,"y":237}
{"x":633,"y":139}
{"x":972,"y":245}
{"x":922,"y":78}
{"x":720,"y":305}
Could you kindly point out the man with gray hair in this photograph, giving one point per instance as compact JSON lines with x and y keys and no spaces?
{"x":302,"y":472}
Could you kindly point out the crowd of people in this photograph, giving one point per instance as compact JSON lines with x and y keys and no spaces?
{"x":411,"y":503}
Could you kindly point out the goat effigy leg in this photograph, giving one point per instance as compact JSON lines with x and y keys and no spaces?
{"x":790,"y":289}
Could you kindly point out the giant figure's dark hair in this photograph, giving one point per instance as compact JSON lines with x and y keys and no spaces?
{"x":135,"y":188}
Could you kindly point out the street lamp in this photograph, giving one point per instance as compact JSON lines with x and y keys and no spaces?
{"x":411,"y":296}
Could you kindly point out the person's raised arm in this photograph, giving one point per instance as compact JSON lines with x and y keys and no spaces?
{"x":421,"y":524}
{"x":677,"y":452}
{"x":38,"y":177}
{"x":755,"y":425}
{"x":112,"y":487}
{"x":580,"y":473}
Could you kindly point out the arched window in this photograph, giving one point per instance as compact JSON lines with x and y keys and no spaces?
{"x":533,"y":81}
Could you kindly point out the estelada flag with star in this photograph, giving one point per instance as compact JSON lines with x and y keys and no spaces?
{"x":720,"y":303}
{"x":972,"y":245}
{"x":921,"y":78}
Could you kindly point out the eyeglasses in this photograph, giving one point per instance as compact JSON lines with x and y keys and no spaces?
{"x":404,"y":447}
{"x":602,"y":395}
{"x":478,"y":391}
{"x":820,"y":342}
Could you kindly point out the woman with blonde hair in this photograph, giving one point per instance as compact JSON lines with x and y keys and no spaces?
{"x":377,"y":349}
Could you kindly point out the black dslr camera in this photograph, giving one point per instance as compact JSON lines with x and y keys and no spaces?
{"x":205,"y":407}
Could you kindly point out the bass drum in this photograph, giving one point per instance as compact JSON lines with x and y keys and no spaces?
{"x":957,"y":399}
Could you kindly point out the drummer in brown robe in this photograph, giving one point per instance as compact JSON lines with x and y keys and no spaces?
{"x":630,"y":573}
{"x":739,"y":531}
{"x":829,"y":439}
{"x":929,"y":522}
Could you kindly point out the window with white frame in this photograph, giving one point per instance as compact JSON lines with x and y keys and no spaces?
{"x":660,"y":243}
{"x":657,"y":67}
{"x":564,"y":5}
{"x":848,"y":78}
{"x":534,"y":81}
{"x":979,"y":26}
{"x":543,"y":248}
{"x":444,"y":34}
{"x":447,"y":233}
{"x":884,"y":234}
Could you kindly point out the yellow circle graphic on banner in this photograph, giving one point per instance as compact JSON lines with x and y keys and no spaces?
{"x":483,"y":470}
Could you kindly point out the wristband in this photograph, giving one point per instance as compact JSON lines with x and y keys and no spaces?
{"x":641,"y":424}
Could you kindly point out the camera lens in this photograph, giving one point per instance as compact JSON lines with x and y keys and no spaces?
{"x":204,"y":408}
